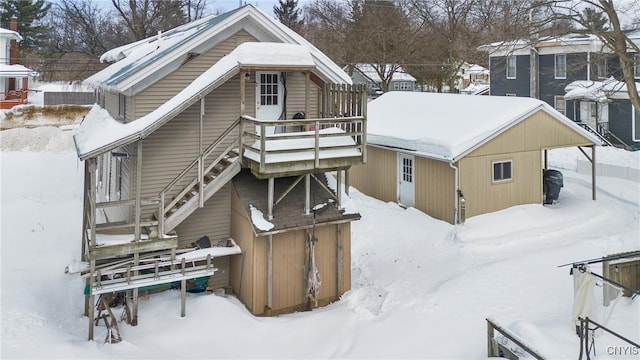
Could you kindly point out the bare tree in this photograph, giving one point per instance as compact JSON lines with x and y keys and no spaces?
{"x":326,"y":27}
{"x":144,"y":18}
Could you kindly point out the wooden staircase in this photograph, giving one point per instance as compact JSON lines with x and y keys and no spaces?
{"x":192,"y":198}
{"x":205,"y":175}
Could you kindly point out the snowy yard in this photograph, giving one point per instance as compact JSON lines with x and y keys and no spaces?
{"x":421,"y":288}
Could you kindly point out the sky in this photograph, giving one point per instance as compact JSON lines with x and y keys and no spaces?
{"x":420,"y":286}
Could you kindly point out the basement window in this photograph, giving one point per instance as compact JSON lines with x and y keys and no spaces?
{"x":502,"y":171}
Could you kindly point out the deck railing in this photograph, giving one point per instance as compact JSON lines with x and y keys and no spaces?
{"x":311,"y":142}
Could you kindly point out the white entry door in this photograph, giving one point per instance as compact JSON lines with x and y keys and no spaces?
{"x":406,"y":179}
{"x":269,"y":97}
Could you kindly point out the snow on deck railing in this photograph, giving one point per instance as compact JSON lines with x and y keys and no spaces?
{"x":280,"y":141}
{"x":493,"y":348}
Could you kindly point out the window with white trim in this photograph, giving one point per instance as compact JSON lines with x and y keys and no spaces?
{"x":407,"y":170}
{"x":636,"y":66}
{"x":560,"y":104}
{"x":511,"y":67}
{"x":502,"y":170}
{"x":635,"y":124}
{"x":561,"y":66}
{"x":601,"y":67}
{"x":402,"y":85}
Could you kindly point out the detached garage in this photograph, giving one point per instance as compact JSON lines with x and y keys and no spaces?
{"x":455,"y":156}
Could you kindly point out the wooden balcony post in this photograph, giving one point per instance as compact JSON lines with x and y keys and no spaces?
{"x":263,"y":143}
{"x":593,"y":172}
{"x":270,"y":199}
{"x":339,"y":188}
{"x":307,"y":194}
{"x":317,"y":144}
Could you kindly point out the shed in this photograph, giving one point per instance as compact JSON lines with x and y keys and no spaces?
{"x":431,"y":151}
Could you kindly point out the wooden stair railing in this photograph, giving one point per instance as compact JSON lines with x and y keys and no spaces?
{"x":211,"y":176}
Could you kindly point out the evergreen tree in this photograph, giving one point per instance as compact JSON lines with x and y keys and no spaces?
{"x":288,"y":13}
{"x":30,"y":14}
{"x":595,"y":19}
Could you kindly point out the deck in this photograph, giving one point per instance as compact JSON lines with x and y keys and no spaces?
{"x":279,"y":148}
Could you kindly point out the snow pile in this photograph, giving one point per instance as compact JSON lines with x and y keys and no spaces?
{"x":258,"y":220}
{"x":45,"y":138}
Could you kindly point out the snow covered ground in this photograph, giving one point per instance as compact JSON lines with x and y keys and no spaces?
{"x":421,"y":288}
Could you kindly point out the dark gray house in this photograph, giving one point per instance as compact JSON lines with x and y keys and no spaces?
{"x":561,"y":64}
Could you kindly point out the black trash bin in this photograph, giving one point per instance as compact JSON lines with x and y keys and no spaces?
{"x":551,"y":183}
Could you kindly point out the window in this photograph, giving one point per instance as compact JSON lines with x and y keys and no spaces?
{"x":402,"y":85}
{"x":593,"y":110}
{"x":561,"y":66}
{"x":269,"y":89}
{"x":561,"y":104}
{"x":636,"y":66}
{"x":502,"y":171}
{"x":511,"y":67}
{"x":407,"y":169}
{"x":601,"y":68}
{"x":118,"y":185}
{"x":635,"y":124}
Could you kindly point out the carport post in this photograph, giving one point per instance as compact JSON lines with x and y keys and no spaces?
{"x":593,"y":172}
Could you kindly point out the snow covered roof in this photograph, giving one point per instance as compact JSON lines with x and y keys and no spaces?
{"x":10,"y":34}
{"x":476,"y":89}
{"x":449,"y":126}
{"x":552,"y":44}
{"x":99,"y":132}
{"x":597,"y":91}
{"x":138,"y":61}
{"x":15,"y":70}
{"x":369,"y":71}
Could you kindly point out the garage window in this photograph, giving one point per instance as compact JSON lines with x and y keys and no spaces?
{"x":502,"y":171}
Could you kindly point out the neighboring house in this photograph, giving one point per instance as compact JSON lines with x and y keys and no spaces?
{"x":559,"y":62}
{"x":14,"y":78}
{"x":454,"y":156}
{"x":200,"y":132}
{"x":472,"y":74}
{"x":367,"y":74}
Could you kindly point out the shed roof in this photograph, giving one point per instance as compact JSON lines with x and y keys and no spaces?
{"x":139,"y":61}
{"x":289,"y":213}
{"x":449,"y":126}
{"x":99,"y":132}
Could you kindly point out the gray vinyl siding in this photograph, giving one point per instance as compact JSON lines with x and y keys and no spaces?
{"x":551,"y":87}
{"x":500,"y":85}
{"x":164,"y":89}
{"x":620,"y":119}
{"x":213,"y":220}
{"x":296,"y":85}
{"x":111,"y":103}
{"x":171,"y":148}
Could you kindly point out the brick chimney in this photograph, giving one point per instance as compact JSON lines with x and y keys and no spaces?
{"x":13,"y":52}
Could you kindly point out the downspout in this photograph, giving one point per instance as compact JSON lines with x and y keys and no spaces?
{"x":456,"y":181}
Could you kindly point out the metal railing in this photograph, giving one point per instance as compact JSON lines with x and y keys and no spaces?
{"x":586,"y":346}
